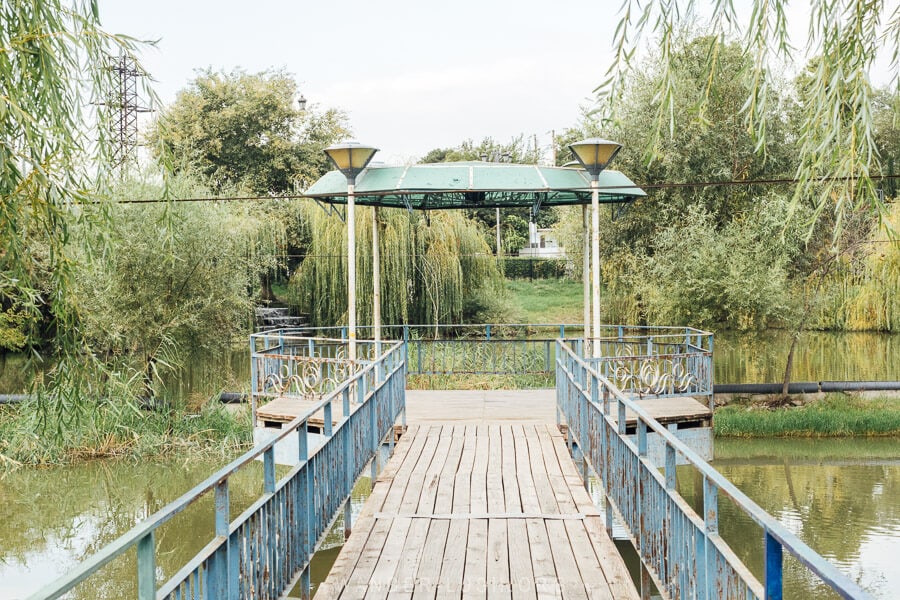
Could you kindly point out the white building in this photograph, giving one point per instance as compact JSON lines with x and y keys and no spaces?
{"x":542,"y":243}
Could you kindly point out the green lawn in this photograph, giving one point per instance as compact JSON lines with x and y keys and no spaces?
{"x":546,"y":300}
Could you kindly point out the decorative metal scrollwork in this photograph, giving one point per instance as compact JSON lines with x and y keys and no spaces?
{"x":653,"y":375}
{"x":308,"y":376}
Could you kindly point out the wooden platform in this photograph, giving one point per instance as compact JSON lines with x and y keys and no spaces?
{"x":285,"y":409}
{"x":479,"y":511}
{"x":530,"y":406}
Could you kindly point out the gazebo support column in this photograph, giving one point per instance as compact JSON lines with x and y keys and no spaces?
{"x":586,"y":275}
{"x":351,"y":270}
{"x":376,"y":282}
{"x":595,"y":266}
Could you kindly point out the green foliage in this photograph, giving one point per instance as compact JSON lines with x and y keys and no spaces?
{"x":835,"y":416}
{"x":861,"y":294}
{"x":534,"y":268}
{"x":120,"y":430}
{"x":514,"y":231}
{"x":836,"y":133}
{"x":708,"y":142}
{"x":245,"y":131}
{"x":440,"y":271}
{"x":53,"y":69}
{"x":12,"y":330}
{"x":738,"y":276}
{"x":177,"y":281}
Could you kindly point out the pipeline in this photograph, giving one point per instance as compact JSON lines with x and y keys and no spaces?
{"x":806,"y":387}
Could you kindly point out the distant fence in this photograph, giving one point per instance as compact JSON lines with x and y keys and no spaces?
{"x":267,"y":549}
{"x":681,"y":552}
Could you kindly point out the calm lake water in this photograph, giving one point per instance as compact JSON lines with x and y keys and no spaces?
{"x":739,"y":357}
{"x":842,"y":497}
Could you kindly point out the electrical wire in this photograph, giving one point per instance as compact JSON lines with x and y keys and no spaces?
{"x":644,"y":186}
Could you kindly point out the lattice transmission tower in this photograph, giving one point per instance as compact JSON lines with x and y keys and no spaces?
{"x":124,"y":107}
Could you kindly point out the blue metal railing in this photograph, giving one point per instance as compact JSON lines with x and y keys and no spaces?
{"x":680,"y":551}
{"x":266,"y":550}
{"x":658,"y":362}
{"x":643,"y":361}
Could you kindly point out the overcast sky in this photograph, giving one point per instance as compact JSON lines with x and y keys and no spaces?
{"x":412,"y":75}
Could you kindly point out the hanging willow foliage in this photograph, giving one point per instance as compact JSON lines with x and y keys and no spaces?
{"x":435,"y":271}
{"x":863,"y":296}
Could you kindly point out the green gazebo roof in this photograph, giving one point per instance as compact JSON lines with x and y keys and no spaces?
{"x":473,"y":185}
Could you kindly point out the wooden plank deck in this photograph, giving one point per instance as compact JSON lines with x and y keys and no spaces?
{"x":456,"y":407}
{"x":476,"y":511}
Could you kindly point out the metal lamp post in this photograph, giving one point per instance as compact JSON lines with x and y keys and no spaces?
{"x":350,"y":158}
{"x":595,"y":154}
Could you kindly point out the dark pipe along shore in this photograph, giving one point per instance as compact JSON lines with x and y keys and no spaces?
{"x":800,"y":387}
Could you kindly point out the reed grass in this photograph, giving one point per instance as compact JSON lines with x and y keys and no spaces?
{"x":836,"y":415}
{"x":120,"y":430}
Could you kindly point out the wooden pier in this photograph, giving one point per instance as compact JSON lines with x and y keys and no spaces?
{"x":479,"y":510}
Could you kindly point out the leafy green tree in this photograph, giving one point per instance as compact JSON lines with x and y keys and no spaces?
{"x":177,"y":282}
{"x":246,"y":131}
{"x":53,"y":69}
{"x":711,"y":143}
{"x":837,"y":153}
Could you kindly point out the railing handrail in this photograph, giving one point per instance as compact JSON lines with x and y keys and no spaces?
{"x":666,"y":328}
{"x":133,"y":536}
{"x":797,"y":547}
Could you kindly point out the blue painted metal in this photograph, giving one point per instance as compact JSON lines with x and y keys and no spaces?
{"x":642,"y":361}
{"x":681,"y":550}
{"x":267,"y":548}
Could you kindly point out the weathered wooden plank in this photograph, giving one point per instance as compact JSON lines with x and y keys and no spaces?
{"x":450,"y":583}
{"x":475,"y":571}
{"x":472,"y":512}
{"x":545,"y":579}
{"x":403,"y":583}
{"x":383,"y":574}
{"x":521,"y":571}
{"x":429,"y":570}
{"x":567,"y":572}
{"x":498,"y":580}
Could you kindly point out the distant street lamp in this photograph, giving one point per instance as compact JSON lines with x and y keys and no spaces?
{"x":302,"y":102}
{"x":350,"y":158}
{"x":595,"y":154}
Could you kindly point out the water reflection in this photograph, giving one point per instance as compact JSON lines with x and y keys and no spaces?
{"x":740,"y":357}
{"x":760,"y":357}
{"x":52,"y":519}
{"x":840,"y":497}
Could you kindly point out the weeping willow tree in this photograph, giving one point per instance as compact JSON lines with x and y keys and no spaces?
{"x":861,"y":294}
{"x":838,"y":157}
{"x":434,"y":271}
{"x":53,"y":68}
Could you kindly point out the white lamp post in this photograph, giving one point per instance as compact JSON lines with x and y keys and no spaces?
{"x":595,"y":154}
{"x":350,"y":158}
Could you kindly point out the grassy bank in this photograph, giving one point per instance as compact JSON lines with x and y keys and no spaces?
{"x":546,"y":300}
{"x":114,"y":430}
{"x":836,"y":415}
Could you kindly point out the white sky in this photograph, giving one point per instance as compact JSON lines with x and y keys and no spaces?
{"x":412,"y":75}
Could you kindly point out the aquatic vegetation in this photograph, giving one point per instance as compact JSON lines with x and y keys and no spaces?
{"x":836,"y":415}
